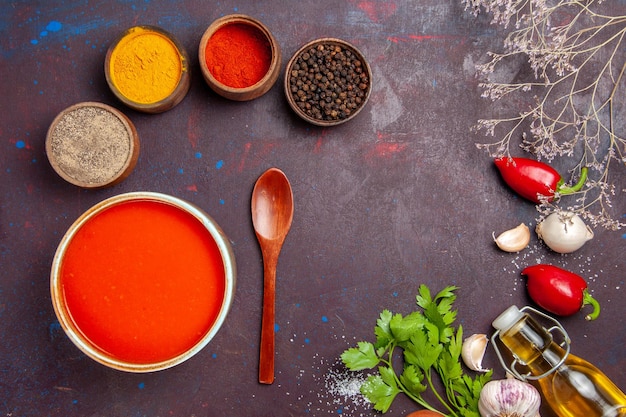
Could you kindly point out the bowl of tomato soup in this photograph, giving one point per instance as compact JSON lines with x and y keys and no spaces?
{"x":142,"y":281}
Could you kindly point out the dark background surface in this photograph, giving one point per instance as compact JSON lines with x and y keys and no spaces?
{"x":397,"y":197}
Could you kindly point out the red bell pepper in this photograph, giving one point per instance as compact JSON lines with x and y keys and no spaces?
{"x":559,"y":291}
{"x":532,"y":179}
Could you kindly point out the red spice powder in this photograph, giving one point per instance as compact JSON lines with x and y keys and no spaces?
{"x":143,"y":281}
{"x":238,"y":55}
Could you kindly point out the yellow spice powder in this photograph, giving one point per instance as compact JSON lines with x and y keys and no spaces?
{"x":146,"y":66}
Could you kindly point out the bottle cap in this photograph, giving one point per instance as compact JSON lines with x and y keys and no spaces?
{"x":508,"y":318}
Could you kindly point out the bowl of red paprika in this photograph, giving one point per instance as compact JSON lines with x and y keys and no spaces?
{"x":142,"y":281}
{"x":239,"y":57}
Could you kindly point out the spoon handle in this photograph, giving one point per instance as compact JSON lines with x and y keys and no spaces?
{"x":266,"y":354}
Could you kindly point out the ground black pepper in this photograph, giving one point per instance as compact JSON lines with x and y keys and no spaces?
{"x":328,"y":82}
{"x":90,"y":145}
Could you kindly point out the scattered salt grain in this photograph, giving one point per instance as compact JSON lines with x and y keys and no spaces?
{"x":341,"y":392}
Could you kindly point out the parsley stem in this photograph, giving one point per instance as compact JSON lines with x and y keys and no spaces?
{"x":439,"y":397}
{"x":417,"y":398}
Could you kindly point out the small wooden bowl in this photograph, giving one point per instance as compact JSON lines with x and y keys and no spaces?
{"x":248,"y":92}
{"x":342,"y":96}
{"x":92,"y":145}
{"x":150,"y":74}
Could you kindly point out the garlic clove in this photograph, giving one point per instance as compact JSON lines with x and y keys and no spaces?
{"x":513,"y":240}
{"x":473,"y":351}
{"x":564,"y":232}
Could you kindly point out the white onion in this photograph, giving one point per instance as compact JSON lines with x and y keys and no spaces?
{"x":564,"y":232}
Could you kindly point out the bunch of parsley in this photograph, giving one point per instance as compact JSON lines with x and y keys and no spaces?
{"x":430,"y":347}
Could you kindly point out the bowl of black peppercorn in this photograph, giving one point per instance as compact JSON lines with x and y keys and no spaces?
{"x":328,"y":82}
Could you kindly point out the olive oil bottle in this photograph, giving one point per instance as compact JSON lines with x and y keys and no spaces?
{"x":571,"y":386}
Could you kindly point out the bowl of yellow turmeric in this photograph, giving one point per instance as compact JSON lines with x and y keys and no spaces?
{"x":147,"y":69}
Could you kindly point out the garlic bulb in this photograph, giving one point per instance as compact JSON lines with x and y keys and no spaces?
{"x":564,"y":232}
{"x":508,"y":398}
{"x":473,"y":351}
{"x":513,"y":240}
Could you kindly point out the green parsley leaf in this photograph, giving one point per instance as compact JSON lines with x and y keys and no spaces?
{"x":421,"y":352}
{"x":424,"y":298}
{"x":411,"y":379}
{"x":403,"y":328}
{"x":361,"y":357}
{"x":383,"y":330}
{"x":381,"y":389}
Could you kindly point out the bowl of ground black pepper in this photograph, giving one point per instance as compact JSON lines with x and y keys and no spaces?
{"x":239,"y":57}
{"x":92,"y":145}
{"x":328,"y":82}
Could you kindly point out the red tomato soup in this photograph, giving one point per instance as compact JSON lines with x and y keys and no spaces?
{"x":143,"y":281}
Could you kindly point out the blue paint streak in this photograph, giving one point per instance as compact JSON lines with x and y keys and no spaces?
{"x":198,"y":155}
{"x":276,"y":327}
{"x":222,"y":202}
{"x":324,"y":319}
{"x":20,"y":144}
{"x":141,"y":385}
{"x":54,"y":329}
{"x":219,"y":164}
{"x":307,"y":341}
{"x":54,"y":26}
{"x":96,"y":24}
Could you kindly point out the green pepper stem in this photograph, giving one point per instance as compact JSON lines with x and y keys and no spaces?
{"x":588,"y":299}
{"x":564,"y":190}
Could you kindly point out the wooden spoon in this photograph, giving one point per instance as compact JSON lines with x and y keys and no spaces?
{"x":272,"y":213}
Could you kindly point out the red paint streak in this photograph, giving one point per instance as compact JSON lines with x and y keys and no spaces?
{"x":385,"y":150}
{"x":192,"y":132}
{"x":318,"y":145}
{"x":260,"y":152}
{"x":320,"y":142}
{"x":30,"y":188}
{"x":419,"y":38}
{"x":377,"y":11}
{"x":192,"y":188}
{"x":244,"y":157}
{"x":28,"y":225}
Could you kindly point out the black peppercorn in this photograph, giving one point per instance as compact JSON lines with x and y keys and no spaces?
{"x":328,"y":82}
